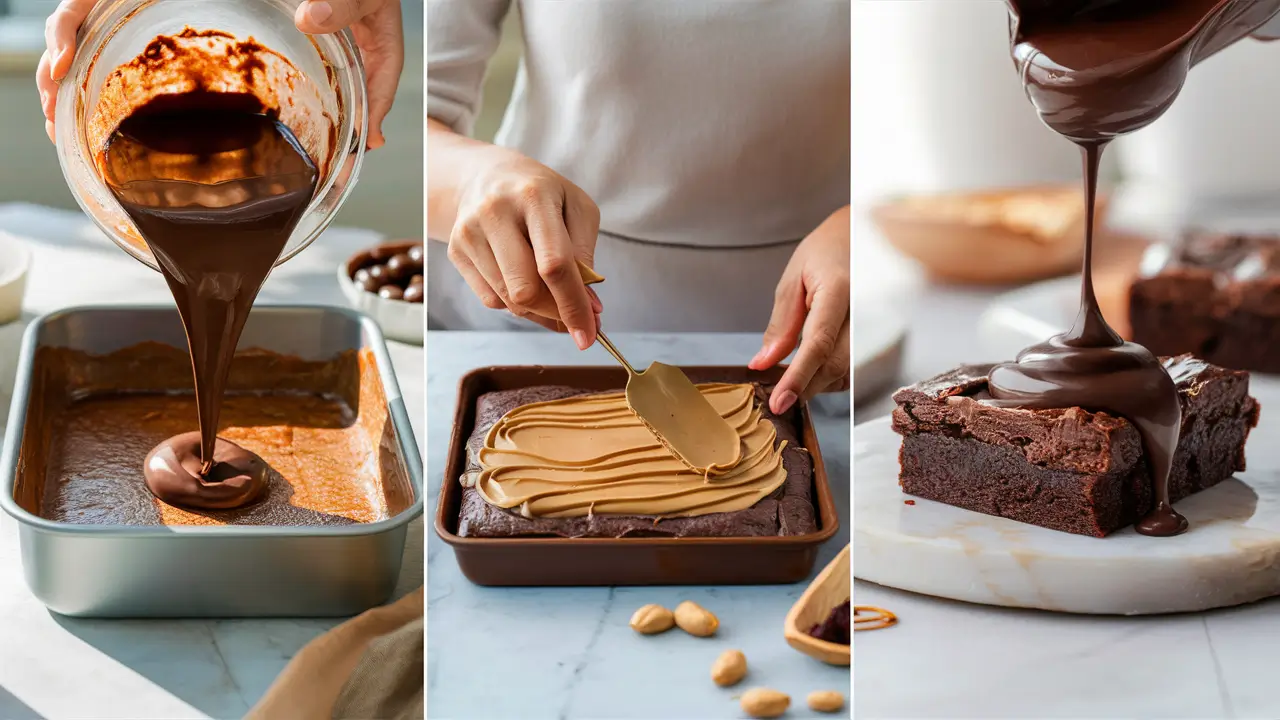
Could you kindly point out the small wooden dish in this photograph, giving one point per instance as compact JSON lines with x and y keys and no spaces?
{"x":988,"y":238}
{"x":829,"y":589}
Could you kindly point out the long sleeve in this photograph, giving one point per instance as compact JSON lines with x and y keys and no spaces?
{"x":462,"y":36}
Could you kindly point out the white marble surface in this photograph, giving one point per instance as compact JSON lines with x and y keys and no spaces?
{"x":949,"y":659}
{"x":535,"y":653}
{"x":1229,"y":555}
{"x":55,"y":667}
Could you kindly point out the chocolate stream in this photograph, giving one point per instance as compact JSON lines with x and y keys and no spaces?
{"x":215,"y":185}
{"x":1094,"y":70}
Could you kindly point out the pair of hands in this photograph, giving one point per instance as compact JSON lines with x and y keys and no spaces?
{"x":521,"y":226}
{"x":376,"y":24}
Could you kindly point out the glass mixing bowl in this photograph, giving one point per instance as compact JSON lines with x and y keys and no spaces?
{"x":317,"y":83}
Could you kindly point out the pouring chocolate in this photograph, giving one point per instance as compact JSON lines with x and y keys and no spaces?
{"x":215,"y":184}
{"x":1095,"y":70}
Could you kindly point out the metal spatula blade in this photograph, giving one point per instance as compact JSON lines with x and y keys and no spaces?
{"x":682,"y":419}
{"x":673,"y":409}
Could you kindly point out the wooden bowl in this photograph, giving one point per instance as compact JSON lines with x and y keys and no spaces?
{"x":829,"y":589}
{"x":989,"y":238}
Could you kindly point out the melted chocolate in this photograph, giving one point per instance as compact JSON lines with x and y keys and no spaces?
{"x":215,"y":185}
{"x":1096,"y":69}
{"x":176,"y":473}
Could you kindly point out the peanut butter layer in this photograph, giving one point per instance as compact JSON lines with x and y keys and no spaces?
{"x":586,"y":455}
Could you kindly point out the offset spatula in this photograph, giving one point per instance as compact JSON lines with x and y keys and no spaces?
{"x":673,"y":409}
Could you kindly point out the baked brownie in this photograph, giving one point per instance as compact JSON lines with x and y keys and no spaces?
{"x":789,"y":510}
{"x":1064,"y":469}
{"x":1214,"y":296}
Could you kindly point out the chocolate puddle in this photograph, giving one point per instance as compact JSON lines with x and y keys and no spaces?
{"x":1094,"y":70}
{"x":215,"y":185}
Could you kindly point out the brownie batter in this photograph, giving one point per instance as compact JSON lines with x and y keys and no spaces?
{"x":215,"y":184}
{"x":323,"y":435}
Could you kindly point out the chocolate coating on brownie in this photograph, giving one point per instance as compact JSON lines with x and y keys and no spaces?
{"x":788,"y":511}
{"x":1215,"y":296}
{"x":1067,"y":469}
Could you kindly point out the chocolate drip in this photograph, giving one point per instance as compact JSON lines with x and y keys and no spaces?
{"x":1097,"y":69}
{"x":1092,"y":367}
{"x":215,"y":185}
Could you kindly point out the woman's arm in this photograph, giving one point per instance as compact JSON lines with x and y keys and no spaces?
{"x":515,"y":228}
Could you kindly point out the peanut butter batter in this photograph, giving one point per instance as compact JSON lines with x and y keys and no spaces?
{"x":591,"y":455}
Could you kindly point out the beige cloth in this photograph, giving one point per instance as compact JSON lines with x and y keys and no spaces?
{"x":368,"y":668}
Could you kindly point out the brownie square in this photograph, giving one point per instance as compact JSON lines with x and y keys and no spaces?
{"x":1065,"y":469}
{"x":789,"y":510}
{"x":1214,"y":296}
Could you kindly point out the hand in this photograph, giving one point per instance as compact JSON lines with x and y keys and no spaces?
{"x":520,"y":230}
{"x":376,"y":25}
{"x":811,"y":305}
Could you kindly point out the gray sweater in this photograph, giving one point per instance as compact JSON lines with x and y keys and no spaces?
{"x":713,"y":134}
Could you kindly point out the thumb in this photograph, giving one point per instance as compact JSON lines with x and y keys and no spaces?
{"x":783,"y":333}
{"x":582,"y":220}
{"x":320,"y":17}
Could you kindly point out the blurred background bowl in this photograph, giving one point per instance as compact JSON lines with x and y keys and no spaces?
{"x":991,"y":237}
{"x":400,"y":320}
{"x":15,"y":263}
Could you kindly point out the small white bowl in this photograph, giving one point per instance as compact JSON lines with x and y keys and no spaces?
{"x":400,"y":320}
{"x":15,"y":263}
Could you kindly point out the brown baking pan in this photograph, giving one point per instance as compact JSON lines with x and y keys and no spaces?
{"x":622,"y":561}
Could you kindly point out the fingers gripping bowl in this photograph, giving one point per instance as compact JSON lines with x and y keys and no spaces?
{"x":326,"y":546}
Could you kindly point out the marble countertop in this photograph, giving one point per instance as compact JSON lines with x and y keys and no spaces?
{"x":567,"y":653}
{"x":57,"y":667}
{"x":949,"y":659}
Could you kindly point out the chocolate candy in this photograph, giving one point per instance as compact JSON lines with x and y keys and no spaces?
{"x":400,"y":266}
{"x":391,"y":272}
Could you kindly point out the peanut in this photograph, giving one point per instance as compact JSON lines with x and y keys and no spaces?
{"x":729,"y":668}
{"x":696,"y":620}
{"x":827,"y":701}
{"x":765,"y":703}
{"x":652,"y":619}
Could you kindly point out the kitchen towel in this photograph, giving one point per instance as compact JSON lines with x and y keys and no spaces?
{"x":368,"y":668}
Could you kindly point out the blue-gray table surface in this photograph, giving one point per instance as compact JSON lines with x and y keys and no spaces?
{"x":533,"y":653}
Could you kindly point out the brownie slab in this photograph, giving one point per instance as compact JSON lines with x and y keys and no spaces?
{"x":1065,"y":469}
{"x":789,"y":510}
{"x":1214,"y":296}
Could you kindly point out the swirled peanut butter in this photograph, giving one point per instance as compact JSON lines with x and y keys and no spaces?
{"x":591,"y":455}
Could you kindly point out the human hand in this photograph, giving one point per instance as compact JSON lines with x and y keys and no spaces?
{"x":520,"y":230}
{"x":811,"y":306}
{"x":376,"y":24}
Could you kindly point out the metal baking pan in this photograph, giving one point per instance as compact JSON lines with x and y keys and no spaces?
{"x":210,"y":571}
{"x":622,"y":561}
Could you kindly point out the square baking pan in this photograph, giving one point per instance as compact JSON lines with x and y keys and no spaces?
{"x":201,"y":570}
{"x":623,"y":561}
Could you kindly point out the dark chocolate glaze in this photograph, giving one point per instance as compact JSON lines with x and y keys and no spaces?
{"x":215,"y":185}
{"x":1094,"y":70}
